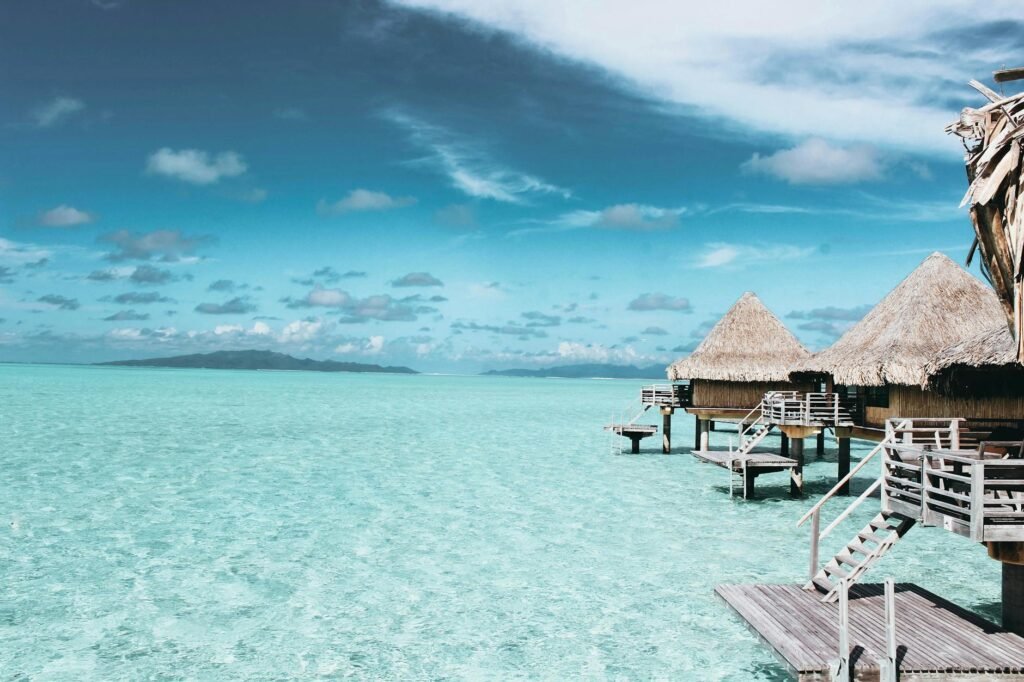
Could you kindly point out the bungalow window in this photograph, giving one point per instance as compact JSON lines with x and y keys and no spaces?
{"x":876,"y":396}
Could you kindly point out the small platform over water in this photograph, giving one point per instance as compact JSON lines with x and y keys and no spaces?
{"x":634,"y":432}
{"x":749,"y":465}
{"x":935,"y":639}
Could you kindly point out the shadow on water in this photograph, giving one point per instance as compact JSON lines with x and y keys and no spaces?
{"x":989,"y":610}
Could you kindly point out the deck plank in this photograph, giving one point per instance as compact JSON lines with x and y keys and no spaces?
{"x":934,"y":636}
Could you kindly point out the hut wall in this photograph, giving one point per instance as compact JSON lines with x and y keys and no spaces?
{"x":911,"y":401}
{"x":738,"y":394}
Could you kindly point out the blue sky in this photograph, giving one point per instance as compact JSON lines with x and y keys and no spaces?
{"x":459,"y":185}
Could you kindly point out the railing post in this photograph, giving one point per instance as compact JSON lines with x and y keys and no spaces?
{"x":841,"y":667}
{"x":978,"y":501}
{"x":815,"y":539}
{"x":889,"y":672}
{"x":925,"y":463}
{"x":954,"y":435}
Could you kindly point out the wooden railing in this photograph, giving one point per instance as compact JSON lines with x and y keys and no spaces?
{"x":811,"y":409}
{"x":975,"y":493}
{"x":814,"y":513}
{"x":667,"y":395}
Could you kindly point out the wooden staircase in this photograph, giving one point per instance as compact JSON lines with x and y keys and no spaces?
{"x":869,"y":545}
{"x":753,"y":435}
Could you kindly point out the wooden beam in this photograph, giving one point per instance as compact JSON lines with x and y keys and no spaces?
{"x":1006,"y":75}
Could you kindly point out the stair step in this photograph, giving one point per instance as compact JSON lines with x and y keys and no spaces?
{"x":848,"y":559}
{"x":859,"y":547}
{"x":822,"y":584}
{"x":834,"y":570}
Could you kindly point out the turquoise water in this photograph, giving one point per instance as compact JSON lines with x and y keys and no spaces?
{"x":179,"y":524}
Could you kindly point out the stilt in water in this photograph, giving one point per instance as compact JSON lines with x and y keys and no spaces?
{"x":704,"y":434}
{"x":821,"y":443}
{"x":844,"y":464}
{"x":666,"y":429}
{"x":796,"y":481}
{"x":696,"y":432}
{"x":784,"y":446}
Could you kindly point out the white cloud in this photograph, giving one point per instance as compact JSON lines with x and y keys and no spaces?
{"x":64,"y":216}
{"x":816,"y":162}
{"x":56,"y":111}
{"x":870,"y":71}
{"x":300,"y":331}
{"x":195,"y":166}
{"x":363,"y":200}
{"x":721,"y":254}
{"x":469,"y":168}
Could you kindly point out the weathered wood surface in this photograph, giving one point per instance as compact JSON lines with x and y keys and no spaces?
{"x":935,"y":639}
{"x":754,"y":459}
{"x":630,"y":429}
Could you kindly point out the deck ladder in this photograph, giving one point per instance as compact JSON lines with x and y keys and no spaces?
{"x":869,"y":545}
{"x":629,"y":416}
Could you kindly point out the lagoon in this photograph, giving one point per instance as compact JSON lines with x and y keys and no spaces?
{"x":201,"y":524}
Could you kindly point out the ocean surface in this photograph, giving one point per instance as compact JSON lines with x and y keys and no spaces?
{"x":218,"y":525}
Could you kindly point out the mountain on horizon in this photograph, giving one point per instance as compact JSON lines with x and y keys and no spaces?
{"x":257,"y":359}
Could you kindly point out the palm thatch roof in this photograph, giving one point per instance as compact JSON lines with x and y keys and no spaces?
{"x":938,"y":305}
{"x":983,"y":363}
{"x":748,"y":344}
{"x":993,"y":139}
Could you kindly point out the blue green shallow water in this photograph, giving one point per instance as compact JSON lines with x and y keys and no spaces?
{"x":177,"y":524}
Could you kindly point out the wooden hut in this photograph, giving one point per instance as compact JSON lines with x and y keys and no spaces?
{"x":883,"y":364}
{"x":746,"y":354}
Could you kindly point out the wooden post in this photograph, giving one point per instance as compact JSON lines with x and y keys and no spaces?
{"x":889,"y":667}
{"x":841,"y":666}
{"x":796,"y":479}
{"x":704,"y":435}
{"x":844,"y":464}
{"x":696,"y":432}
{"x":1013,"y":597}
{"x":978,"y":501}
{"x":820,"y":443}
{"x":666,"y":429}
{"x":784,"y":445}
{"x":635,"y":440}
{"x":711,"y":425}
{"x":815,"y":540}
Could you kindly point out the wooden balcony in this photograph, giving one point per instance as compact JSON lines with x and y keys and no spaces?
{"x":805,"y":409}
{"x":975,"y":492}
{"x":667,"y":395}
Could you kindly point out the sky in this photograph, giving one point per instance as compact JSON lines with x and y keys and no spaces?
{"x":457,"y":186}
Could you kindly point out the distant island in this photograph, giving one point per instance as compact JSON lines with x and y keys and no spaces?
{"x":591,"y":371}
{"x":257,"y":359}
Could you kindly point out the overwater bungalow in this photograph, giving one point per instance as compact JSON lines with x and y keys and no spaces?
{"x":885,"y":366}
{"x":748,"y":353}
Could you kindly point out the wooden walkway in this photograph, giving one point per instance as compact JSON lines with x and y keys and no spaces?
{"x":936,"y":639}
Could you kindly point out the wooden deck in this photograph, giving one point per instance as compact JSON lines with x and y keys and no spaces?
{"x":765,"y":461}
{"x":935,"y":639}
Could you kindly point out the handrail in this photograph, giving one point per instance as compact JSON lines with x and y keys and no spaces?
{"x":849,"y":510}
{"x":758,"y":408}
{"x":844,"y":480}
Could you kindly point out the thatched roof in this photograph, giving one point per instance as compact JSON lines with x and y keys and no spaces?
{"x":938,"y":305}
{"x":748,"y":344}
{"x":983,"y":363}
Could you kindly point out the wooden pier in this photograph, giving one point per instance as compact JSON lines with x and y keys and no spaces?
{"x":935,"y":639}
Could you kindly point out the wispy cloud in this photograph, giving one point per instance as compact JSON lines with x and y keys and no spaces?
{"x":195,"y":166}
{"x":885,"y":75}
{"x":468,"y":166}
{"x":722,"y":254}
{"x":56,"y":111}
{"x":417,"y":279}
{"x":164,"y":245}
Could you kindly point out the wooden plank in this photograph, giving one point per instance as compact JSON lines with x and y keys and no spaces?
{"x":935,"y":636}
{"x":1006,"y":75}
